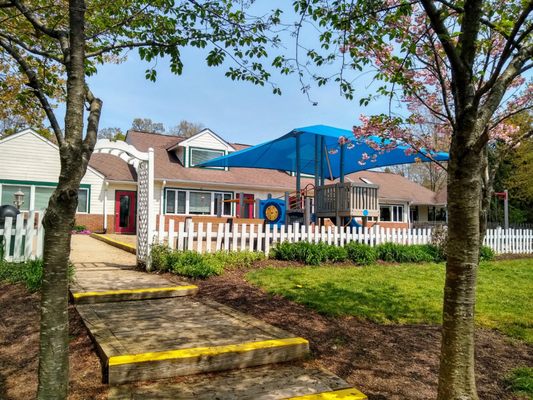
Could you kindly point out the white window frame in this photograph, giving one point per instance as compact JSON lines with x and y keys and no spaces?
{"x":31,"y":199}
{"x":219,"y":152}
{"x":392,"y":207}
{"x":187,"y":201}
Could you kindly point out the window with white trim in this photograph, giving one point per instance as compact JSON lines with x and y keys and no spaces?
{"x":36,"y":197}
{"x":199,"y":156}
{"x":196,"y":202}
{"x":391,"y":213}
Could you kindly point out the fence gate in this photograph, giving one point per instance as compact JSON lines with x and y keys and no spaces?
{"x":144,"y":165}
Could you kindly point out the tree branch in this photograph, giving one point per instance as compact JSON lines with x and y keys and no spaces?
{"x":29,"y":49}
{"x":444,"y":36}
{"x":507,"y":50}
{"x":35,"y":84}
{"x":93,"y":120}
{"x":38,"y":25}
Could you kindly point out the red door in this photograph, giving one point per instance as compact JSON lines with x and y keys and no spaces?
{"x":125,"y":211}
{"x":249,"y":206}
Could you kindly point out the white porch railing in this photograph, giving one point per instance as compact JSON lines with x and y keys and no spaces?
{"x":202,"y":237}
{"x":22,"y":239}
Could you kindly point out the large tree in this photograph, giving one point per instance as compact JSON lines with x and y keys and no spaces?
{"x":463,"y":62}
{"x":55,"y":45}
{"x":147,"y":125}
{"x":186,"y":128}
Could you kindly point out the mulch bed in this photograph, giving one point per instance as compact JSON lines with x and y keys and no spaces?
{"x":19,"y":348}
{"x":384,"y":361}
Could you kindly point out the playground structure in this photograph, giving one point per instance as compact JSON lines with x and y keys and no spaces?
{"x":327,"y":154}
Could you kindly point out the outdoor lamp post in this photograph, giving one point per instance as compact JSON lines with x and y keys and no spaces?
{"x":19,"y":199}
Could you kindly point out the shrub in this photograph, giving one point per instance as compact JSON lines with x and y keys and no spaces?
{"x":360,"y":253}
{"x":238,"y":259}
{"x":486,"y":254}
{"x":195,"y":265}
{"x":160,"y":255}
{"x":436,"y":252}
{"x":30,"y":273}
{"x":389,"y":252}
{"x":337,"y":254}
{"x":400,"y":253}
{"x":80,"y":228}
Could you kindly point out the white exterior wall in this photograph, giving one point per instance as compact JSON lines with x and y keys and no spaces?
{"x":258,"y":193}
{"x":28,"y":157}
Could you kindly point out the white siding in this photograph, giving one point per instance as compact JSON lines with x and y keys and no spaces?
{"x":26,"y":157}
{"x":206,"y":140}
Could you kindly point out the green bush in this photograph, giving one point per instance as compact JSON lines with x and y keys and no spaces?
{"x":238,"y":259}
{"x":80,"y":228}
{"x":308,"y":253}
{"x":486,"y":254}
{"x":160,"y":255}
{"x":195,"y":265}
{"x":337,"y":254}
{"x":360,"y":253}
{"x":30,"y":273}
{"x":400,"y":253}
{"x":436,"y":252}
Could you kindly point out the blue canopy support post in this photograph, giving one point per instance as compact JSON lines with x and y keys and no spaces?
{"x":298,"y":168}
{"x":341,"y":164}
{"x":317,"y":161}
{"x":322,"y":151}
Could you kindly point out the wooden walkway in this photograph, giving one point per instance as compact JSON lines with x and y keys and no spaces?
{"x":147,"y":328}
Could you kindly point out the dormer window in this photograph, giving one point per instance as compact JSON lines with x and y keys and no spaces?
{"x":199,"y":156}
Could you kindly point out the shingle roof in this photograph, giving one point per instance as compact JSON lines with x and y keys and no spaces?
{"x":396,"y":187}
{"x":167,"y":166}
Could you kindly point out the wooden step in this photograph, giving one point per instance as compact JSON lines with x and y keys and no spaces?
{"x":154,"y":339}
{"x":261,"y":383}
{"x":103,"y":282}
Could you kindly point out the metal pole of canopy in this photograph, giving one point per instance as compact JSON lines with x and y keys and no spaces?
{"x":341,"y":164}
{"x":317,"y":155}
{"x":298,"y":174}
{"x":322,"y":148}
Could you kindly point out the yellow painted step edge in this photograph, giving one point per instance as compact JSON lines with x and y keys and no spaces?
{"x":128,"y":291}
{"x":108,"y":240}
{"x":343,"y":394}
{"x":204,"y":351}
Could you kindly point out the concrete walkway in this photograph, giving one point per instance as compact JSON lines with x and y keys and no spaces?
{"x":169,"y":333}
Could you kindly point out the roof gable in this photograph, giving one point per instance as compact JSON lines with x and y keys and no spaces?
{"x":33,"y":133}
{"x":208,"y":139}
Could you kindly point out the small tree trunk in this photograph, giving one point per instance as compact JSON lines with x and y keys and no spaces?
{"x":53,"y":355}
{"x":456,"y":375}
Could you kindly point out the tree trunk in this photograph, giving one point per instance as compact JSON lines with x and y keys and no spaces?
{"x":53,"y":356}
{"x":59,"y":220}
{"x":456,"y":375}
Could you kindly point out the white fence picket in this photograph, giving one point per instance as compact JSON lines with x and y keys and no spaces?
{"x":171,"y":234}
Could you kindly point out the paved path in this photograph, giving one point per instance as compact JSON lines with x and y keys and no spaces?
{"x":169,"y":333}
{"x":105,"y":273}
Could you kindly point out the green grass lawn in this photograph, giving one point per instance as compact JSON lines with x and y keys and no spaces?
{"x":407,"y":294}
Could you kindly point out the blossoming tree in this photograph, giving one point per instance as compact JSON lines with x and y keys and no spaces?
{"x":458,"y":69}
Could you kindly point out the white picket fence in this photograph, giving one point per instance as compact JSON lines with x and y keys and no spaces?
{"x":202,"y":237}
{"x":22,"y":239}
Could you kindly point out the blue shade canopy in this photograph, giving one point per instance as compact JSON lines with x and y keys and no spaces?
{"x":320,"y":142}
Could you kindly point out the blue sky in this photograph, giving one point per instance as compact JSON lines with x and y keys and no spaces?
{"x":238,"y":111}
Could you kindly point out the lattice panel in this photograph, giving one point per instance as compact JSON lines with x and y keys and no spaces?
{"x":142,"y":213}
